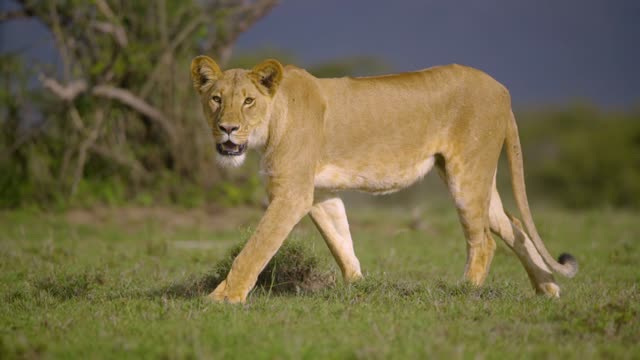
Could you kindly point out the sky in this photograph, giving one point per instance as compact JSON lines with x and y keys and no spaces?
{"x":545,"y":51}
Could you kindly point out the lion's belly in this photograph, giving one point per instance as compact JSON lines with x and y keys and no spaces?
{"x":370,"y":178}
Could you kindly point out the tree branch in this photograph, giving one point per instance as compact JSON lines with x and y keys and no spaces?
{"x":56,"y":29}
{"x":116,"y":31}
{"x":112,"y":27}
{"x":90,"y":138}
{"x":105,"y":9}
{"x":128,"y":98}
{"x":108,"y":152}
{"x":166,"y":55}
{"x":66,"y":93}
{"x":125,"y":97}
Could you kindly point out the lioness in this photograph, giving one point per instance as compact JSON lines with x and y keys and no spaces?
{"x":373,"y":134}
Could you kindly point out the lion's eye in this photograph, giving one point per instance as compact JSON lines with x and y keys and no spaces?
{"x":249,"y":101}
{"x":217,"y":99}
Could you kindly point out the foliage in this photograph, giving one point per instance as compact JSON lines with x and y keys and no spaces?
{"x":24,"y":159}
{"x":119,"y":116}
{"x":582,"y":157}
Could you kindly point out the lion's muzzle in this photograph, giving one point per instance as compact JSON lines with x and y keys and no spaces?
{"x":229,"y":148}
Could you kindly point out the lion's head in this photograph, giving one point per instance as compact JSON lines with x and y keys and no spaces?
{"x":237,"y":105}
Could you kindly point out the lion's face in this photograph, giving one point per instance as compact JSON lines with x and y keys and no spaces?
{"x":237,"y":105}
{"x":236,"y":112}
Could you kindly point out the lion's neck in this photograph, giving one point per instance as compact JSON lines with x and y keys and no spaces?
{"x":275,"y":128}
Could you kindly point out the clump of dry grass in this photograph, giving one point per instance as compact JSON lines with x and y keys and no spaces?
{"x":294,"y":269}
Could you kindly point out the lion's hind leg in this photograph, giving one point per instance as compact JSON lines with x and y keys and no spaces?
{"x":330,"y":218}
{"x":511,"y":231}
{"x":471,"y":192}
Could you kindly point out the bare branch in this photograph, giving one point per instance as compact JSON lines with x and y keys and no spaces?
{"x":128,"y":98}
{"x":105,"y":9}
{"x":75,"y":88}
{"x":166,"y":55}
{"x":66,"y":93}
{"x":112,"y":27}
{"x":56,"y":28}
{"x":116,"y":31}
{"x":111,"y":153}
{"x":91,"y":137}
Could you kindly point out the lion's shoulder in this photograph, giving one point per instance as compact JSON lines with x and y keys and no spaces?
{"x":298,"y":83}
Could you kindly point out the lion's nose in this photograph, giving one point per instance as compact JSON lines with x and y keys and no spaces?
{"x":228,"y":128}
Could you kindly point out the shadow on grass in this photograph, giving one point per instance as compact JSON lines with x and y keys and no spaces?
{"x":188,"y":288}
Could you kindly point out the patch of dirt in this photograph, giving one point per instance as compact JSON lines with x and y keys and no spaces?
{"x":171,"y":217}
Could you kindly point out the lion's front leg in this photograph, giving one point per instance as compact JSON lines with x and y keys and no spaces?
{"x":281,"y":216}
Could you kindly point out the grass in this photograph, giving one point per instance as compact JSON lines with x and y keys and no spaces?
{"x":129,"y":283}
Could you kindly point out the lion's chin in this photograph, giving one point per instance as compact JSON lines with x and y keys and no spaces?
{"x":230,"y":161}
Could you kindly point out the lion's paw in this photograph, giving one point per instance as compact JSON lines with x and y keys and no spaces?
{"x":549,"y":289}
{"x":222,"y":295}
{"x":352,"y":277}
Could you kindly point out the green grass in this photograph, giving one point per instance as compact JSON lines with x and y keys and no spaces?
{"x":118,"y":283}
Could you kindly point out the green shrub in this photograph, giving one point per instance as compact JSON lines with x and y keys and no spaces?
{"x":583,"y":158}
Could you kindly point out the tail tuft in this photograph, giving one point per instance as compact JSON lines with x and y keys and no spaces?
{"x":569,"y":261}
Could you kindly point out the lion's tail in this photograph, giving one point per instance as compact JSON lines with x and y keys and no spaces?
{"x":566,"y":264}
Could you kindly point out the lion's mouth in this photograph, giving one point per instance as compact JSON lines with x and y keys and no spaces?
{"x":230,"y":148}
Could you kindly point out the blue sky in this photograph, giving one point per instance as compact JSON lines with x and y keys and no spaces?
{"x":545,"y":51}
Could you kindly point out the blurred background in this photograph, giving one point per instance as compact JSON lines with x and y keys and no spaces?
{"x":97,"y":108}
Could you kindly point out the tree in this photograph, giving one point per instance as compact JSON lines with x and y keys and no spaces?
{"x":122,"y":103}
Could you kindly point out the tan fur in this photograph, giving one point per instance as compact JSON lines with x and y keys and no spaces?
{"x":379,"y":135}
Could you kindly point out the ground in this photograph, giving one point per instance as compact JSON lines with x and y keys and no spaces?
{"x":102,"y":284}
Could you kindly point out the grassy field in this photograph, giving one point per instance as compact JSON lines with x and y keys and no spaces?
{"x":114,"y":283}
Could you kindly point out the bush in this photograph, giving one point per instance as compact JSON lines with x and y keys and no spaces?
{"x":584,"y":158}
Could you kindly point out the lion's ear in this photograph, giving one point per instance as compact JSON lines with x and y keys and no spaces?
{"x":204,"y":72}
{"x":267,"y":75}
